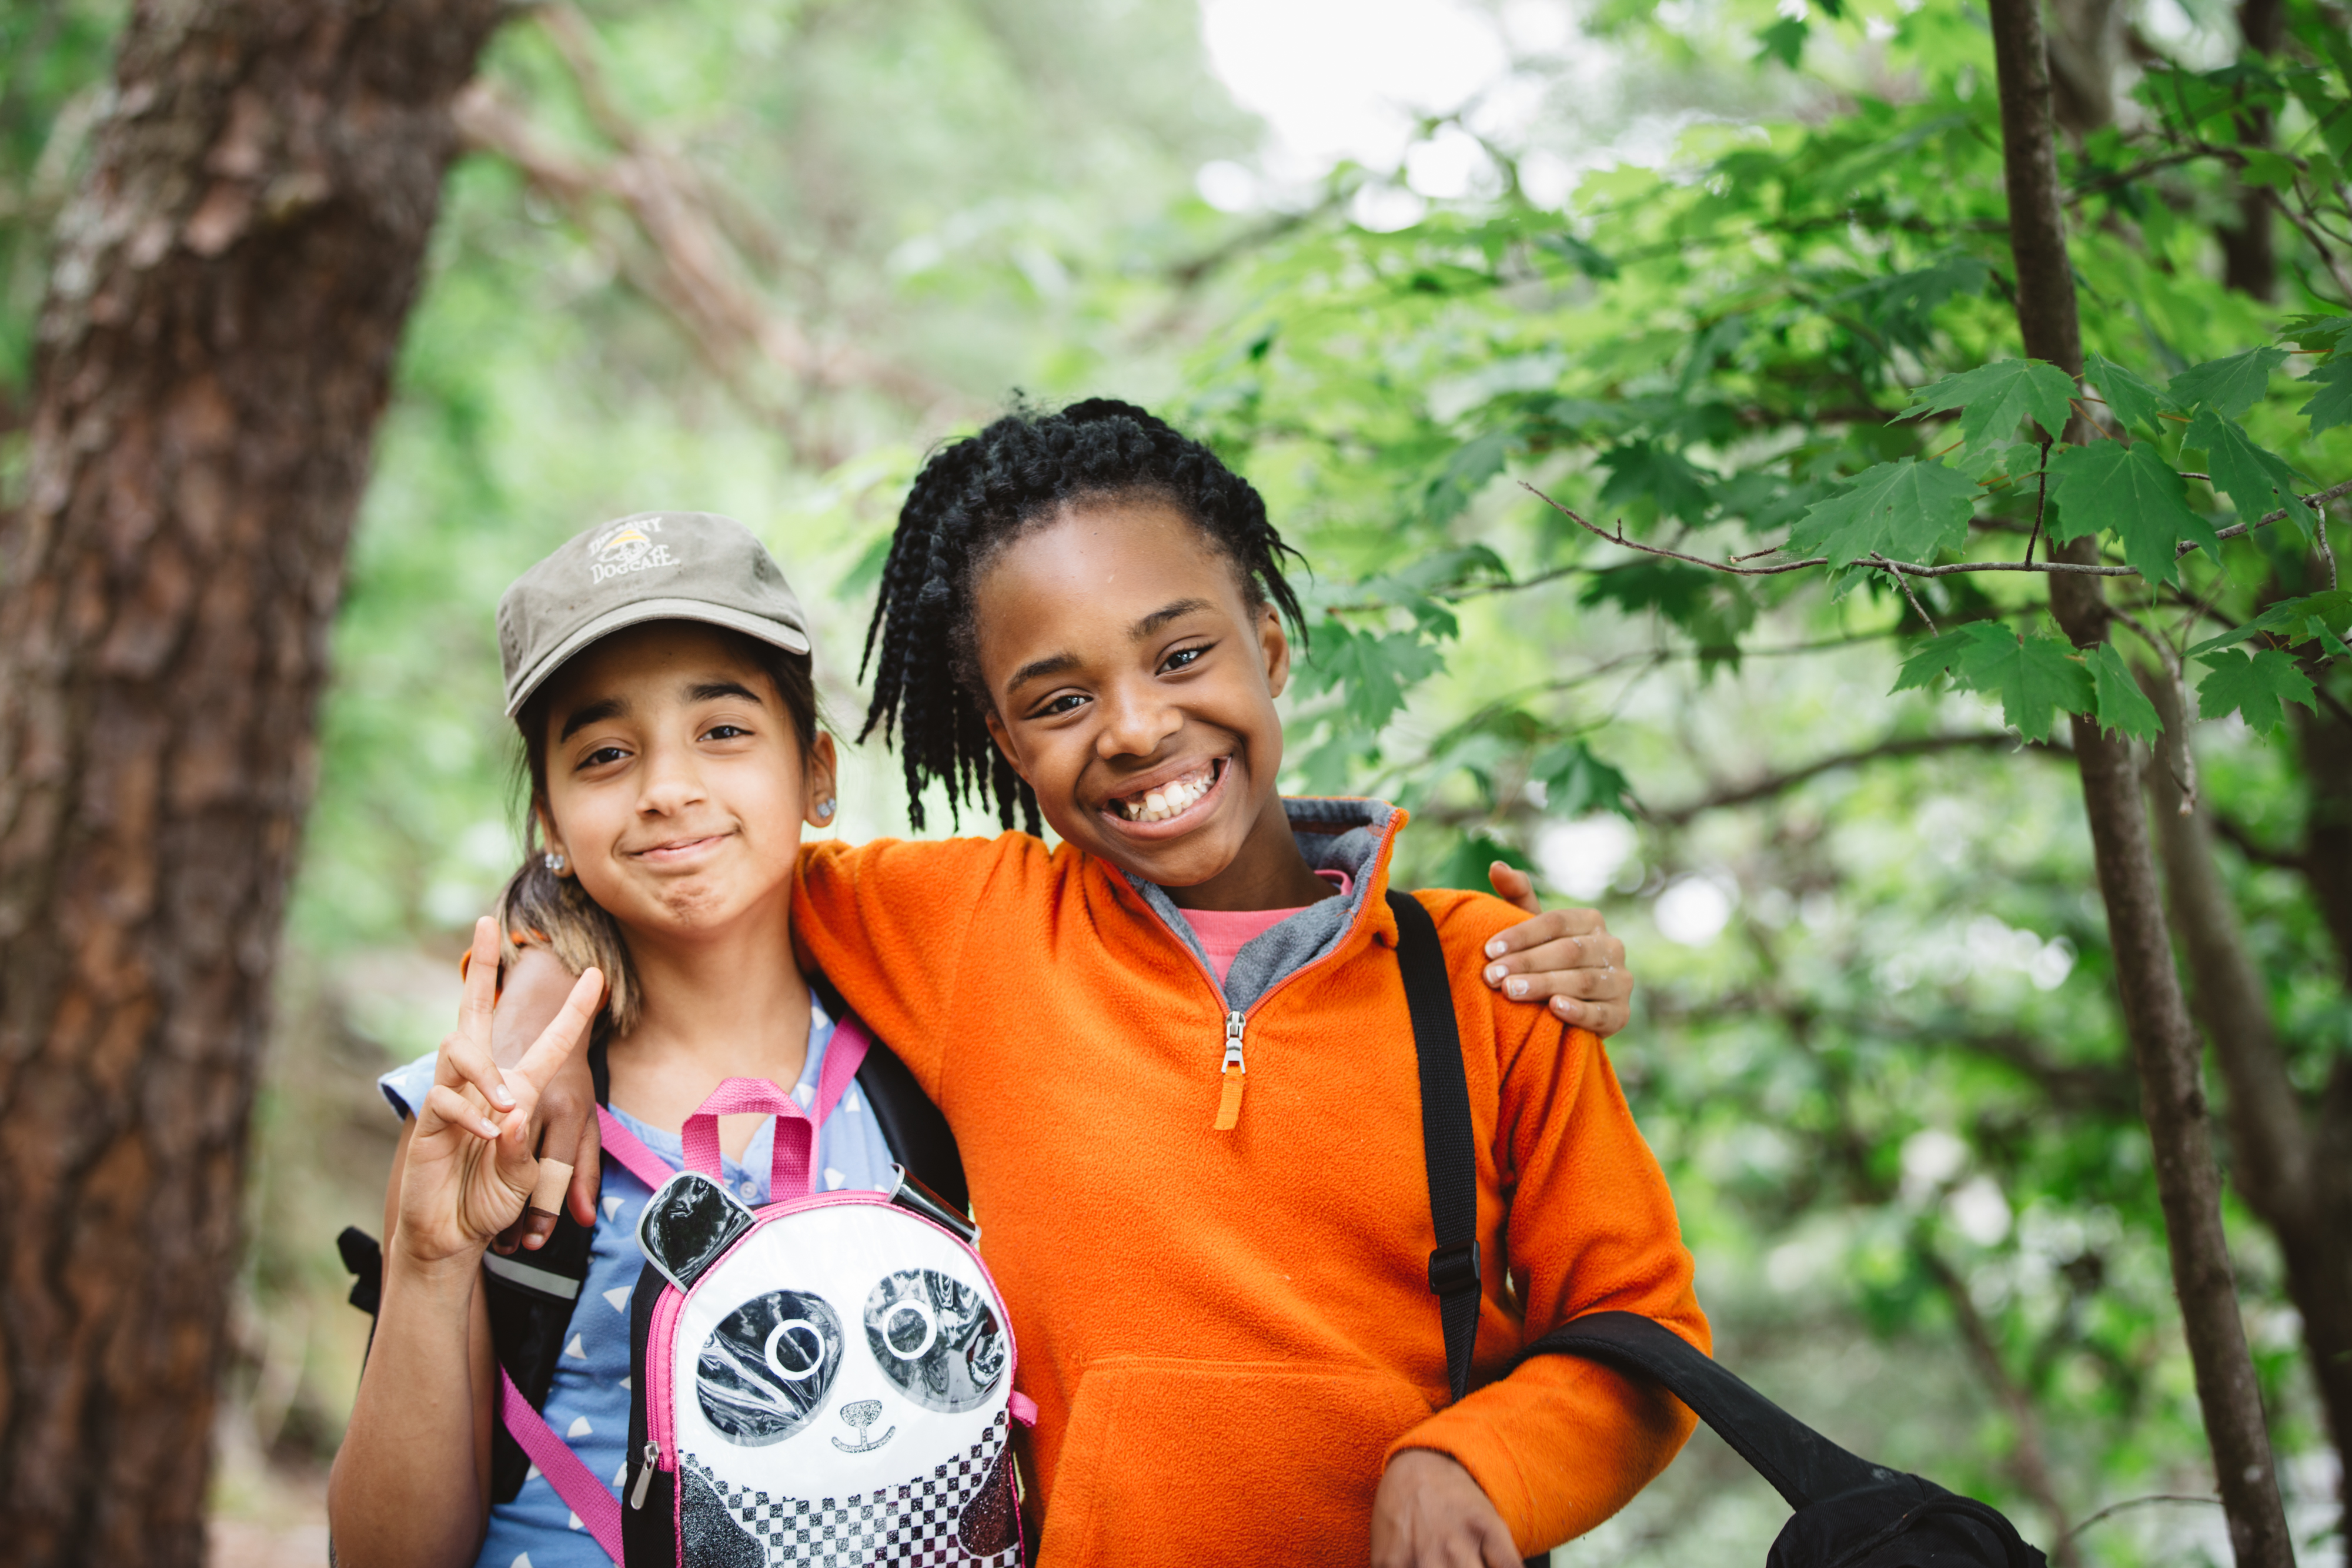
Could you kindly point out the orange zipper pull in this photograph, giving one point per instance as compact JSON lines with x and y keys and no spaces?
{"x":1229,"y":1105}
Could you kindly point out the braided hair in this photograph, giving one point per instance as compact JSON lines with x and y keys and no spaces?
{"x":977,"y":496}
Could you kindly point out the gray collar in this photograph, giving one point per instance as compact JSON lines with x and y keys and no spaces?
{"x":1334,"y":835}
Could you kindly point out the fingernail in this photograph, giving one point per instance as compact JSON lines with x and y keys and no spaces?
{"x":500,"y":1097}
{"x":1495,"y":973}
{"x":487,"y":1129}
{"x":1567,"y":1008}
{"x":1517,"y":987}
{"x":1494,"y":949}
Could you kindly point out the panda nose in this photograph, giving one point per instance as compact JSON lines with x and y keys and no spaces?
{"x":862,"y":1414}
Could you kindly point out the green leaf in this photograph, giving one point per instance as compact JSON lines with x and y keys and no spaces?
{"x":1783,"y":41}
{"x":2258,"y":686}
{"x":1576,"y":782}
{"x":1374,"y":669}
{"x":2265,"y":167}
{"x":2232,"y":385}
{"x":1646,"y":471}
{"x":2257,"y":481}
{"x":2124,"y":708}
{"x":2331,"y":404}
{"x":1578,"y":254}
{"x":2327,"y":617}
{"x":1713,"y":609}
{"x":2329,"y":334}
{"x":1466,"y":472}
{"x":1994,"y":397}
{"x":2134,"y":401}
{"x":1466,"y":865}
{"x":2036,"y":676}
{"x":2131,"y":493}
{"x":1931,"y":659}
{"x":1904,"y":510}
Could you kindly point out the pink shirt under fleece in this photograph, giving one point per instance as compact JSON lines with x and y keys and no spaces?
{"x":1224,"y":933}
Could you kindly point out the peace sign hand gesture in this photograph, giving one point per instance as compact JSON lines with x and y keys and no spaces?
{"x":471,"y":1169}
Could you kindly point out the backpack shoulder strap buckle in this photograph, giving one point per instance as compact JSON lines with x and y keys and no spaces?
{"x":1455,"y":1270}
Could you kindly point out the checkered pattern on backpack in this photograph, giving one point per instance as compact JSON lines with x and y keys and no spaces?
{"x":911,"y":1525}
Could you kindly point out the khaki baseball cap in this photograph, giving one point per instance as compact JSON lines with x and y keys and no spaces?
{"x":652,"y":566}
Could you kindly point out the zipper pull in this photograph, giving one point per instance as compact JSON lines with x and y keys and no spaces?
{"x":645,"y":1476}
{"x":1229,"y":1107}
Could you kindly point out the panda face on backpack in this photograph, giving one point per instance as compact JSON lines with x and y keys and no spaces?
{"x":829,"y":1380}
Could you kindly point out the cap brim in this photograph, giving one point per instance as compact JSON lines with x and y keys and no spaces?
{"x":791,"y":639}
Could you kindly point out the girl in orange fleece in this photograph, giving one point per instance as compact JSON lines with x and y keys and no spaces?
{"x":1196,"y":1144}
{"x":1198,"y":1157}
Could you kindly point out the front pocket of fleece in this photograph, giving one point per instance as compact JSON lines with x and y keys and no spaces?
{"x":1191,"y":1462}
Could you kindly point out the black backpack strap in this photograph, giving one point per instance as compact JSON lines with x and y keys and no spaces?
{"x":1802,"y":1465}
{"x":1455,"y":1268}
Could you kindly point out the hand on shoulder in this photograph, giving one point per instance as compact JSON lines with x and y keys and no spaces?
{"x":1563,"y":958}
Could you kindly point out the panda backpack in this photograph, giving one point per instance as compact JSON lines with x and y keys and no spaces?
{"x":824,"y":1380}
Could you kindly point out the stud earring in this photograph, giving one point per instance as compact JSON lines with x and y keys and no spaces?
{"x":825,"y":810}
{"x":553,"y":862}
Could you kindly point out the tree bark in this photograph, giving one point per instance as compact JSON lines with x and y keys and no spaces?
{"x":2249,"y":251}
{"x":2275,"y":1150}
{"x":215,"y":350}
{"x":2156,"y":1018}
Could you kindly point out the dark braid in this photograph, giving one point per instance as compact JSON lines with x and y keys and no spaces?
{"x":976,"y":495}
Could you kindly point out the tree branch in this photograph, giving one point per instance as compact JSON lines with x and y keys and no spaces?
{"x":695,"y":274}
{"x":1906,"y":568}
{"x":2028,"y":1460}
{"x":1773,"y":784}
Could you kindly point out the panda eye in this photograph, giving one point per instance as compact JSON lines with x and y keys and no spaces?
{"x":766,"y":1369}
{"x":935,"y":1338}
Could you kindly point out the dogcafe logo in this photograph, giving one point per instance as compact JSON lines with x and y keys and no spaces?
{"x":626,"y":548}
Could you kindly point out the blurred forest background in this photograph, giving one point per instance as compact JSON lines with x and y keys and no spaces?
{"x":1674,"y":263}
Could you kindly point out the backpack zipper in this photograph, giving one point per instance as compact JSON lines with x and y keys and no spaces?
{"x":645,"y":1476}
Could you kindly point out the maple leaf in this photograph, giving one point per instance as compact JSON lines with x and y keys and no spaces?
{"x":1375,"y":669}
{"x":1994,"y":397}
{"x":2035,"y":676}
{"x":2131,"y":493}
{"x":1904,"y":510}
{"x":2259,"y":686}
{"x":2123,"y":707}
{"x":2134,"y":401}
{"x":2257,"y":481}
{"x":2232,"y":385}
{"x":1645,"y":470}
{"x":2331,"y":405}
{"x":2325,"y":617}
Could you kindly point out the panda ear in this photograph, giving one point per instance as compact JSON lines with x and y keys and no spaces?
{"x":689,"y":1225}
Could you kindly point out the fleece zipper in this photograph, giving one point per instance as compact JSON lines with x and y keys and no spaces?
{"x":1233,"y":1073}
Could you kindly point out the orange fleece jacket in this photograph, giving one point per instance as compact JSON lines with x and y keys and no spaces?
{"x":1227,"y":1334}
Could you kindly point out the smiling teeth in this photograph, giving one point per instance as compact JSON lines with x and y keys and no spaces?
{"x":1170,"y":799}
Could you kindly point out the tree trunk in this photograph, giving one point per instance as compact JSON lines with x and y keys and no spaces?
{"x":2249,"y":254}
{"x":2275,"y":1165}
{"x":2156,"y":1019}
{"x":215,"y":350}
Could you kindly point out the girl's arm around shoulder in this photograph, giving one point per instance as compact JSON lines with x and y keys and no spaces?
{"x":889,"y":922}
{"x":1563,"y":1443}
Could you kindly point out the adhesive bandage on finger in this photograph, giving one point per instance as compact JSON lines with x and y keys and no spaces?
{"x":554,"y":1181}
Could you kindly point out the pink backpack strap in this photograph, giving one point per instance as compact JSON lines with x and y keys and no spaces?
{"x":622,"y":1145}
{"x":842,"y":1058}
{"x":599,"y":1511}
{"x":792,"y":1170}
{"x":795,"y":1134}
